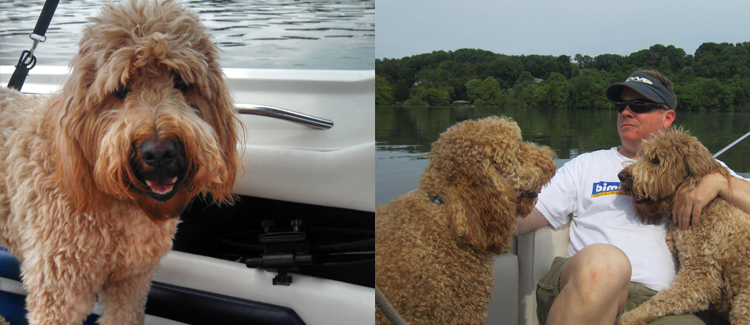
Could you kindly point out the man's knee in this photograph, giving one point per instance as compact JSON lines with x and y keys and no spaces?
{"x":597,"y":270}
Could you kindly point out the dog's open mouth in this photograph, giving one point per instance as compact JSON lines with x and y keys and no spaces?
{"x":160,"y":168}
{"x":163,"y":183}
{"x":637,"y":199}
{"x":161,"y":188}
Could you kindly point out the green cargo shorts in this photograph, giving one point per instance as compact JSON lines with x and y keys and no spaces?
{"x":547,"y":289}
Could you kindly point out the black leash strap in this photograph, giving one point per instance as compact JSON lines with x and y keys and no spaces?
{"x":27,"y":61}
{"x":387,"y":309}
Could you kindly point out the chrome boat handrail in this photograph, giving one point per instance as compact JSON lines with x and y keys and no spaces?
{"x":731,"y":145}
{"x":285,"y":114}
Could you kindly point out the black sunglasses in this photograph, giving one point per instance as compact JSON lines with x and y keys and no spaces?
{"x":637,"y":106}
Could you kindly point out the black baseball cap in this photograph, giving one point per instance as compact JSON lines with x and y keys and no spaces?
{"x":645,"y":85}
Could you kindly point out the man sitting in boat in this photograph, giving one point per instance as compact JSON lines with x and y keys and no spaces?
{"x":615,"y":262}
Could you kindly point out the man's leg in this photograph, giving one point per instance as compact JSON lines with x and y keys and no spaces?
{"x":593,"y":287}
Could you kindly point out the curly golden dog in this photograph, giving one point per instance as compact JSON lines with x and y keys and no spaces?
{"x":714,"y":256}
{"x":94,"y":177}
{"x":435,"y":247}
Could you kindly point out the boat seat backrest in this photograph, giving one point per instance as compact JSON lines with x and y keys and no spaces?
{"x":536,"y":250}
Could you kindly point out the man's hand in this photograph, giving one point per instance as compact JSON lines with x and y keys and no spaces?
{"x":697,"y":199}
{"x":734,"y":190}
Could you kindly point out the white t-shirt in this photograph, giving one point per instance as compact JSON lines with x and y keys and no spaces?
{"x":586,"y":189}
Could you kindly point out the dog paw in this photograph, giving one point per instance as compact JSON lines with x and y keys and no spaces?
{"x":631,"y":318}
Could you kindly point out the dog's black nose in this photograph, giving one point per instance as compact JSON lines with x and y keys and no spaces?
{"x":159,"y":153}
{"x":623,"y":176}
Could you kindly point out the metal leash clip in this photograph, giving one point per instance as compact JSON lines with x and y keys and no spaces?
{"x":26,"y":62}
{"x":36,"y":38}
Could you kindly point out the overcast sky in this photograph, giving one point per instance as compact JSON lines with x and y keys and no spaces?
{"x":551,"y":27}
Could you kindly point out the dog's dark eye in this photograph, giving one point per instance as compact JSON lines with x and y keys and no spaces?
{"x":530,"y":194}
{"x":655,"y":160}
{"x":121,"y":92}
{"x":180,"y":84}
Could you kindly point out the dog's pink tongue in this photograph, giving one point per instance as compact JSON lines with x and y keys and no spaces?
{"x":161,"y":187}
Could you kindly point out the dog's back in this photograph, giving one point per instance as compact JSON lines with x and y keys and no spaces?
{"x":428,"y":276}
{"x":14,"y":105}
{"x":16,"y":113}
{"x":16,"y":135}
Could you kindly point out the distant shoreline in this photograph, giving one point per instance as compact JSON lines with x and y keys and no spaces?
{"x":715,"y":78}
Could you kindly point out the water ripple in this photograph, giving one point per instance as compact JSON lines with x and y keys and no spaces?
{"x":333,"y":34}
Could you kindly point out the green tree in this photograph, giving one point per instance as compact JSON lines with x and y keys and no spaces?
{"x":416,"y":96}
{"x":586,"y":91}
{"x":485,"y":93}
{"x":383,"y":91}
{"x":401,"y":92}
{"x":607,"y":61}
{"x":553,"y":92}
{"x":584,"y":61}
{"x":436,"y":97}
{"x":524,"y":79}
{"x":665,"y":64}
{"x":524,"y":91}
{"x":504,"y":71}
{"x":703,"y":94}
{"x":413,"y":101}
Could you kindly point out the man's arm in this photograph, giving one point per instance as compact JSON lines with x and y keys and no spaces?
{"x":738,"y":193}
{"x":535,"y":220}
{"x":734,"y":190}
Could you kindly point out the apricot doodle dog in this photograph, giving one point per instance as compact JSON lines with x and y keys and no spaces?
{"x":714,"y":256}
{"x":94,"y":177}
{"x":435,"y":247}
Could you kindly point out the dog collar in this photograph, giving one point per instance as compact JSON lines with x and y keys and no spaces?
{"x":436,"y":199}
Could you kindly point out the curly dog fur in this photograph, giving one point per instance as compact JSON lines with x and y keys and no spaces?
{"x":434,"y":261}
{"x":714,"y":257}
{"x":94,"y":177}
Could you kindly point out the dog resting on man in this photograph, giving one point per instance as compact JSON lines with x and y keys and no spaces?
{"x":713,"y":256}
{"x":94,"y":177}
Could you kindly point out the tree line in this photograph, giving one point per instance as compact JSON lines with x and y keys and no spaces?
{"x":715,"y":77}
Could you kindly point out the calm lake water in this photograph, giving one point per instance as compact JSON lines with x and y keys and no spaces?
{"x":403,"y":137}
{"x":278,"y":34}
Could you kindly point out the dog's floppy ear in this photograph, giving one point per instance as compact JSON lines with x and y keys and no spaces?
{"x":71,"y":121}
{"x":696,"y":157}
{"x":482,"y":214}
{"x":221,"y":114}
{"x":699,"y":162}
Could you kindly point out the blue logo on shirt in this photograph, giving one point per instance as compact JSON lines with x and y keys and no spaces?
{"x":605,"y":188}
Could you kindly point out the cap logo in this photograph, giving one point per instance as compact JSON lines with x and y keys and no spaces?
{"x":639,"y":79}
